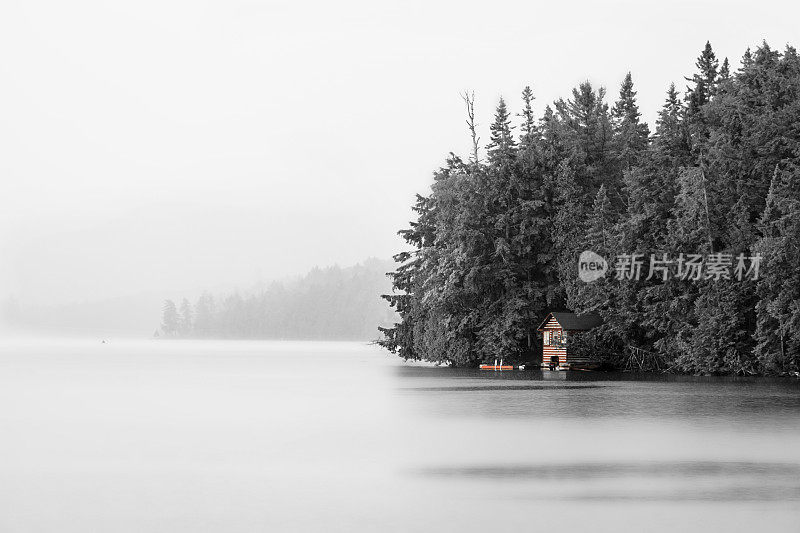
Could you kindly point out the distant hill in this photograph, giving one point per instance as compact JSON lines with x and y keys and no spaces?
{"x":332,"y":303}
{"x":335,"y":303}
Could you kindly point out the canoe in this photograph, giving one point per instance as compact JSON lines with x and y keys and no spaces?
{"x":496,"y":367}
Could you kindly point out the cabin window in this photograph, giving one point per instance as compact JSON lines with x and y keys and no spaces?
{"x":554,"y":338}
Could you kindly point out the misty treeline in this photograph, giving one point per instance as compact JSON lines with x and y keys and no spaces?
{"x":496,"y":241}
{"x":327,"y":303}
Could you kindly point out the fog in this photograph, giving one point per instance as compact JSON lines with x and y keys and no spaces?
{"x":173,"y":146}
{"x":276,"y":436}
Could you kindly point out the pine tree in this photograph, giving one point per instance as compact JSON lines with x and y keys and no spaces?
{"x":601,"y":223}
{"x":170,"y":320}
{"x":501,"y":310}
{"x":185,"y":319}
{"x":704,"y":85}
{"x":569,"y":229}
{"x":631,"y":134}
{"x":704,"y":80}
{"x":528,"y":126}
{"x":205,"y":317}
{"x":747,"y":60}
{"x":602,"y":295}
{"x":725,"y":71}
{"x":778,"y":330}
{"x":407,"y":283}
{"x":671,"y":137}
{"x":501,"y":148}
{"x":586,"y":126}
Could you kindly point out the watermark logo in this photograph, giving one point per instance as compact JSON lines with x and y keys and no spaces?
{"x":684,"y":267}
{"x":591,"y":266}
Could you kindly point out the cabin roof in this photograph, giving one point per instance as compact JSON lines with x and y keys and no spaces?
{"x":573,"y":321}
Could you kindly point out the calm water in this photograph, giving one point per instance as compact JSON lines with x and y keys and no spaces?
{"x":180,"y":436}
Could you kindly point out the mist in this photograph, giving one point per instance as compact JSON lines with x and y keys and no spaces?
{"x":169,"y":148}
{"x":269,"y":265}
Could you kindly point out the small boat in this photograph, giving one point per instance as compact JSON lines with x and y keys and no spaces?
{"x":501,"y":366}
{"x":496,"y":367}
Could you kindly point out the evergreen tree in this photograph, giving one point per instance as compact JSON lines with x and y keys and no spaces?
{"x":528,"y":135}
{"x":170,"y":320}
{"x":205,"y":316}
{"x":501,"y":148}
{"x":586,"y":126}
{"x":601,"y":237}
{"x":601,"y":223}
{"x":778,"y":330}
{"x":671,"y":142}
{"x":725,"y":71}
{"x":631,"y":134}
{"x":496,"y":243}
{"x":185,"y":320}
{"x":704,"y":81}
{"x":569,"y":229}
{"x":704,"y":84}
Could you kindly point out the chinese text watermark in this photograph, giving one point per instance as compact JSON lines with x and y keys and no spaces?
{"x":686,"y":267}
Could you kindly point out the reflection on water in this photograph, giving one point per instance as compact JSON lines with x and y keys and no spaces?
{"x":696,"y":447}
{"x":684,"y":481}
{"x":587,"y":470}
{"x":760,"y":401}
{"x":476,"y":388}
{"x":271,"y":436}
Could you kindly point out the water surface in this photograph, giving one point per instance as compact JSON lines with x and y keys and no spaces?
{"x":286,"y":436}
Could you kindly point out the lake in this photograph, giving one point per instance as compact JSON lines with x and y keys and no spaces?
{"x":236,"y":436}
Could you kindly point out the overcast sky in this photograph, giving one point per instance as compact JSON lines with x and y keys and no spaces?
{"x":182,"y":145}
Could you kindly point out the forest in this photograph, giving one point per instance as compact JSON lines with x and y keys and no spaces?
{"x":331,"y":303}
{"x":496,"y":241}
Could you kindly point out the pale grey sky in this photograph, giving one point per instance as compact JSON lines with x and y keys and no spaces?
{"x":179,"y":144}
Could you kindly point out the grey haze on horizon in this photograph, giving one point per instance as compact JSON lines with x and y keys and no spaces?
{"x":176,"y":145}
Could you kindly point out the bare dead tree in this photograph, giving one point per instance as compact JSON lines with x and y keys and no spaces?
{"x":469,"y":99}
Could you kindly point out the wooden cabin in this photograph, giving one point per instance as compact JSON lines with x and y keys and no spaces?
{"x":556,"y":328}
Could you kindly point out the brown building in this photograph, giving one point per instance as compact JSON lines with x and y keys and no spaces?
{"x":556,"y":328}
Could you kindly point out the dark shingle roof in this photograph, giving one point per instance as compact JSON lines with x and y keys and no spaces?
{"x":573,"y":321}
